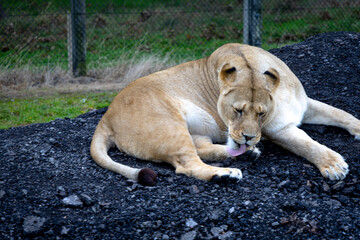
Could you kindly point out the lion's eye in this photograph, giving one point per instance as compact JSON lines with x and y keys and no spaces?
{"x":261,"y":114}
{"x":239,"y":111}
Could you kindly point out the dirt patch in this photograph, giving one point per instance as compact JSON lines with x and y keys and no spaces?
{"x":51,"y":188}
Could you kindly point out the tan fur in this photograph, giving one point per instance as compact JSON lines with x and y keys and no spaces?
{"x":182,"y":115}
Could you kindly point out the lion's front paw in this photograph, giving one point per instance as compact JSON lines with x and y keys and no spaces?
{"x":334,"y":169}
{"x":253,"y":153}
{"x":355,"y":131}
{"x":227,"y":174}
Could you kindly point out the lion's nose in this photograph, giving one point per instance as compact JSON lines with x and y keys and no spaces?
{"x":247,"y":137}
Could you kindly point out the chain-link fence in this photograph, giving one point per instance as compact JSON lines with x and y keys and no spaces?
{"x":36,"y":33}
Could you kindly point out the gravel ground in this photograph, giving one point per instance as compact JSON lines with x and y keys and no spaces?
{"x":50,"y":188}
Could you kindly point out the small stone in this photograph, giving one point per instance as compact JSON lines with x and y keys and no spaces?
{"x":191,"y":223}
{"x":72,"y":201}
{"x":217,"y":231}
{"x":247,"y":202}
{"x":86,"y":199}
{"x":275,"y":224}
{"x":301,"y":55}
{"x":104,"y":204}
{"x":326,"y":187}
{"x":189,"y":235}
{"x":335,"y":204}
{"x":284,"y":184}
{"x":216,"y":215}
{"x":294,"y":205}
{"x":349,"y":190}
{"x":194,"y":189}
{"x":65,"y":231}
{"x":33,"y":224}
{"x":45,"y":148}
{"x":2,"y":194}
{"x":231,"y":210}
{"x":226,"y":235}
{"x":53,"y":161}
{"x":338,"y":186}
{"x":61,"y":191}
{"x":146,"y":224}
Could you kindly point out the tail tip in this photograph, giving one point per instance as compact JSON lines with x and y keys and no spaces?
{"x":147,"y":177}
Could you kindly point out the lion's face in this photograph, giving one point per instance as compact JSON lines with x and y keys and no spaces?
{"x":245,"y":101}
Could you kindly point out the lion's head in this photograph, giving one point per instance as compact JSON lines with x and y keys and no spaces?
{"x":245,"y":101}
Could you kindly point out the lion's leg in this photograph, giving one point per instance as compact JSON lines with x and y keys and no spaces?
{"x":191,"y":165}
{"x":330,"y":163}
{"x":183,"y":156}
{"x":322,"y":113}
{"x":209,"y":151}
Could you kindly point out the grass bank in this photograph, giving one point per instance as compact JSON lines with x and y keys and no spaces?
{"x":24,"y":111}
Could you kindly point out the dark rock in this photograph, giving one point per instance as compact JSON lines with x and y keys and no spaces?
{"x":275,"y":224}
{"x":338,"y":186}
{"x":72,"y":201}
{"x":217,"y":215}
{"x":194,"y":189}
{"x":227,"y":235}
{"x":217,"y":231}
{"x":2,"y":194}
{"x":86,"y":199}
{"x":326,"y":187}
{"x":65,"y":231}
{"x":284,"y":184}
{"x":334,"y":204}
{"x":191,"y":223}
{"x":294,"y":205}
{"x":33,"y":224}
{"x":61,"y":191}
{"x":349,"y":190}
{"x":189,"y":235}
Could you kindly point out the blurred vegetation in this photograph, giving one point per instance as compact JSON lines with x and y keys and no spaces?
{"x":34,"y":33}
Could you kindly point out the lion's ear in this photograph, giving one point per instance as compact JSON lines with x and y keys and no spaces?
{"x":273,"y":78}
{"x":227,"y":73}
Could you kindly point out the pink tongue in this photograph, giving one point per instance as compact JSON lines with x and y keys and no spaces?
{"x":237,"y":152}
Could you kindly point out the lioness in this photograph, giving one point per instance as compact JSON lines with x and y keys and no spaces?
{"x":239,"y":93}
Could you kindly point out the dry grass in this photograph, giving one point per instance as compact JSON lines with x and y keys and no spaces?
{"x":26,"y":81}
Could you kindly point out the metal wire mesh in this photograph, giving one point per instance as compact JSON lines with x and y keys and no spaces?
{"x":35,"y":33}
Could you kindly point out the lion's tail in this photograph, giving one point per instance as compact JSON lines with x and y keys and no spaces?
{"x":100,"y":145}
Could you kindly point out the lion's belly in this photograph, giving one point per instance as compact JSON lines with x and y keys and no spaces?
{"x":200,"y":122}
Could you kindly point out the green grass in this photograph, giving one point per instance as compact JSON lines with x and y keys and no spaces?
{"x":190,"y":32}
{"x":20,"y":112}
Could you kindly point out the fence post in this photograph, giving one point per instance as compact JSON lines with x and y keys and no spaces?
{"x":252,"y":22}
{"x":77,"y":38}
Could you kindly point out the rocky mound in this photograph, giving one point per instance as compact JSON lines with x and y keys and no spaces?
{"x":50,"y":188}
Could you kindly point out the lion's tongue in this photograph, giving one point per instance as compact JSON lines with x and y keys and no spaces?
{"x":237,"y":152}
